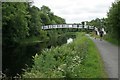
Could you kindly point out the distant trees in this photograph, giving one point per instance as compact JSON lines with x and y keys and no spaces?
{"x":111,"y":23}
{"x":96,"y":22}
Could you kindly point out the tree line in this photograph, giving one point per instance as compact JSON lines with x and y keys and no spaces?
{"x":111,"y":23}
{"x":20,"y":22}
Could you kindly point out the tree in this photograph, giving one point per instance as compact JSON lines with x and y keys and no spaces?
{"x":35,"y":22}
{"x":45,"y":9}
{"x":59,"y":20}
{"x":22,"y":22}
{"x":48,"y":17}
{"x":113,"y":20}
{"x":45,"y":18}
{"x":14,"y":28}
{"x":15,"y":25}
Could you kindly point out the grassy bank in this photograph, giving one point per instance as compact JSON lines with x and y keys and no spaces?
{"x":93,"y":63}
{"x":107,"y":38}
{"x":112,"y":40}
{"x":77,"y":59}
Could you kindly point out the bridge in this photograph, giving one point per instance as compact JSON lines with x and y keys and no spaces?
{"x":57,"y":26}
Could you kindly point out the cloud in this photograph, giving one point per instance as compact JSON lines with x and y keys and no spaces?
{"x":75,"y":11}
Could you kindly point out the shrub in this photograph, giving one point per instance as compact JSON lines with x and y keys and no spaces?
{"x":62,"y":61}
{"x":78,"y":59}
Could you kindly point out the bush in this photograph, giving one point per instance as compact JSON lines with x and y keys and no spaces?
{"x":77,"y":59}
{"x":63,"y":61}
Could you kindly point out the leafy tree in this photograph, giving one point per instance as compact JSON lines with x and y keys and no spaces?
{"x":45,"y":9}
{"x":15,"y":25}
{"x":45,"y":18}
{"x":96,"y":23}
{"x":44,"y":13}
{"x":21,"y":22}
{"x":113,"y":21}
{"x":14,"y":28}
{"x":59,"y":20}
{"x":35,"y":21}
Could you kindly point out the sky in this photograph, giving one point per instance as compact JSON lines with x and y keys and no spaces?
{"x":76,"y":11}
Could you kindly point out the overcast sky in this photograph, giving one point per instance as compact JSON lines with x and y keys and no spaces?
{"x":75,"y":11}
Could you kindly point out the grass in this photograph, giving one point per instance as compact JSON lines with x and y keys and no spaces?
{"x":108,"y":38}
{"x":93,"y":64}
{"x":79,"y":59}
{"x":112,"y":40}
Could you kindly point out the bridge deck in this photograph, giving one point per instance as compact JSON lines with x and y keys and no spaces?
{"x":67,"y":26}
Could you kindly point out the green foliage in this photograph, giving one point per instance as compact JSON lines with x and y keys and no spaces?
{"x":60,"y":61}
{"x":93,"y":66}
{"x":35,"y":22}
{"x":114,"y":20}
{"x":22,"y":26}
{"x":21,"y":20}
{"x":60,"y":37}
{"x":15,"y":26}
{"x":111,"y":23}
{"x":45,"y":9}
{"x":45,"y":18}
{"x":48,"y":17}
{"x":53,"y":39}
{"x":59,"y":20}
{"x":68,"y":61}
{"x":97,"y":23}
{"x":112,"y":40}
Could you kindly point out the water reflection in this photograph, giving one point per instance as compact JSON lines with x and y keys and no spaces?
{"x":69,"y":40}
{"x":20,"y":55}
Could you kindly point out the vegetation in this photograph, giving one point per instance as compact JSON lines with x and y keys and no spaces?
{"x":23,"y":38}
{"x":21,"y":20}
{"x":112,"y":40}
{"x":111,"y":23}
{"x":21,"y":27}
{"x":113,"y":20}
{"x":72,"y":60}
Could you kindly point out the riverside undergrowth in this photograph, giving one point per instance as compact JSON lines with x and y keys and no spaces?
{"x":67,"y":61}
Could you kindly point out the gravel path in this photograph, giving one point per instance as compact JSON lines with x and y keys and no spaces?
{"x":109,"y":54}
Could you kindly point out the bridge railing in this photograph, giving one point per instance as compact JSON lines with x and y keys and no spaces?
{"x":66,"y":26}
